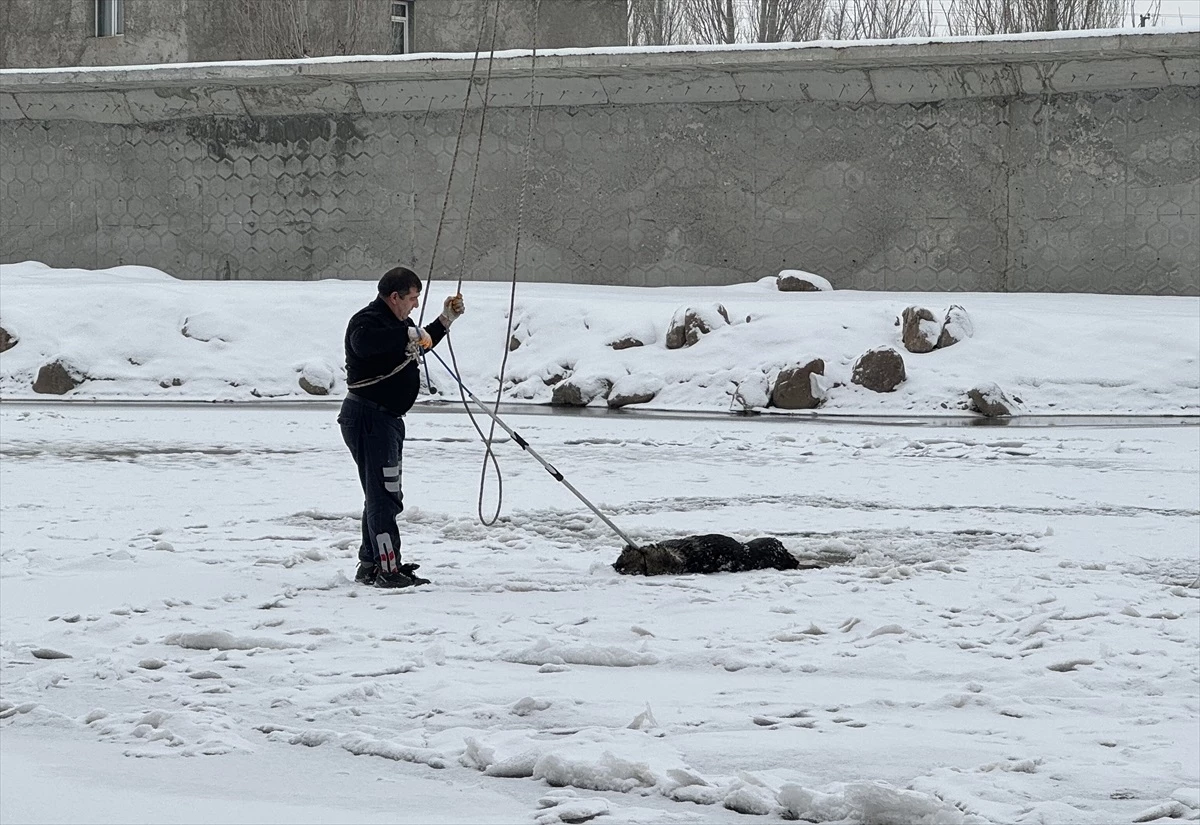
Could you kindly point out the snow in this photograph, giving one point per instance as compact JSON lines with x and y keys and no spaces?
{"x":240,"y":341}
{"x":1128,"y":31}
{"x":1005,"y":631}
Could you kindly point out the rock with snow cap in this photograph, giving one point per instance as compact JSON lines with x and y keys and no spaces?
{"x":634,"y":389}
{"x":919,"y":331}
{"x":797,"y":280}
{"x":991,"y":401}
{"x":956,"y":327}
{"x":795,"y":388}
{"x":879,"y":370}
{"x":56,"y":378}
{"x":7,"y":340}
{"x":627,"y":342}
{"x":580,"y":391}
{"x":316,"y":379}
{"x":690,"y":323}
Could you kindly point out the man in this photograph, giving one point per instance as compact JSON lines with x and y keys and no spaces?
{"x":383,"y":351}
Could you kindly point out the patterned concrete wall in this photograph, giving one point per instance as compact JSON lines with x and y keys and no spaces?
{"x":1045,"y":165}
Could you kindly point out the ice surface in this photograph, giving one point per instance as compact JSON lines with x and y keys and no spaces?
{"x":1003,"y":628}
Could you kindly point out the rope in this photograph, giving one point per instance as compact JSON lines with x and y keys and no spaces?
{"x":489,"y":438}
{"x":366,"y":382}
{"x":462,"y":122}
{"x":512,"y":295}
{"x":487,"y":85}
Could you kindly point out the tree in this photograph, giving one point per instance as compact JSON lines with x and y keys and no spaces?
{"x":285,"y":29}
{"x":776,"y":21}
{"x":654,"y":22}
{"x":870,"y":19}
{"x":711,"y":21}
{"x":1008,"y":16}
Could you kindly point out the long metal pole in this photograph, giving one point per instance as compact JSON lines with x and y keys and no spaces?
{"x":524,"y":445}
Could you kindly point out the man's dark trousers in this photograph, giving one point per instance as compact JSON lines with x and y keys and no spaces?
{"x":376,"y":440}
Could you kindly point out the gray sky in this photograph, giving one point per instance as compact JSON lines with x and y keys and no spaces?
{"x":1174,"y":12}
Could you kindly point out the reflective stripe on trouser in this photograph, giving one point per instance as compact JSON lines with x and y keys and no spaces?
{"x":391,"y":479}
{"x":376,"y":441}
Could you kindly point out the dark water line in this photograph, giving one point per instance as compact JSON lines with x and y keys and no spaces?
{"x":771,"y":417}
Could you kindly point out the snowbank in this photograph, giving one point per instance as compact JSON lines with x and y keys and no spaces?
{"x":135,"y":332}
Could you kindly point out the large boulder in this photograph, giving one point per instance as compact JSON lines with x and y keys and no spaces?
{"x":919,"y":330}
{"x":634,"y":389}
{"x":689,"y":323}
{"x":990,"y":401}
{"x":579,"y":392}
{"x":795,"y":388}
{"x":956,"y":327}
{"x":316,"y":379}
{"x":56,"y":378}
{"x":7,"y":340}
{"x":879,"y":370}
{"x":796,"y":280}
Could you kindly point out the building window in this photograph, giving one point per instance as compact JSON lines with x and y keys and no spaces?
{"x":401,"y":26}
{"x":110,"y":18}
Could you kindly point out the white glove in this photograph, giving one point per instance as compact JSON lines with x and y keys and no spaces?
{"x":452,"y":309}
{"x":418,"y":342}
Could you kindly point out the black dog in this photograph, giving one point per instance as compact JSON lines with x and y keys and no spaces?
{"x":712,"y":553}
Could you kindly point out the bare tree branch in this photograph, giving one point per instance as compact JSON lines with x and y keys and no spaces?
{"x":973,"y":17}
{"x":775,"y":21}
{"x":284,"y":29}
{"x":711,"y":21}
{"x":655,"y":22}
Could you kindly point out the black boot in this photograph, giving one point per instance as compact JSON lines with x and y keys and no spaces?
{"x":404,"y":577}
{"x":367,"y":571}
{"x":408,"y":569}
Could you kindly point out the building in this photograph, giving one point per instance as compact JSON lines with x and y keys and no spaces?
{"x":46,"y":33}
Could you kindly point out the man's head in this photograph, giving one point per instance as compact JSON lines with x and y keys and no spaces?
{"x":400,"y":289}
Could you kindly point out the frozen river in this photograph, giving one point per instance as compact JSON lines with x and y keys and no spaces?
{"x":1009,"y":633}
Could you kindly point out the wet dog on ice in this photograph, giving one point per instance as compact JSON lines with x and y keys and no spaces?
{"x":711,"y":553}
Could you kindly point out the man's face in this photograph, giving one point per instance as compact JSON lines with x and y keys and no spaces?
{"x":403,"y":305}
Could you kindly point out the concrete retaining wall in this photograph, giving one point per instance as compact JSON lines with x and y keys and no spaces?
{"x":1058,"y":164}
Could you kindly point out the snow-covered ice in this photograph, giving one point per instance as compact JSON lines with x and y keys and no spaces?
{"x":1007,"y":631}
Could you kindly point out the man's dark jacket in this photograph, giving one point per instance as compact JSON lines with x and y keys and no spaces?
{"x":376,"y":341}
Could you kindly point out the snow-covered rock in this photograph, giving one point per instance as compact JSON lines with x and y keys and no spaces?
{"x":626,"y":342}
{"x":989,"y":400}
{"x":956,"y":327}
{"x":580,"y":391}
{"x":796,"y":389}
{"x":919,"y":330}
{"x":797,"y":280}
{"x":316,"y":378}
{"x":880,"y":370}
{"x":634,"y":389}
{"x":688,"y":324}
{"x":56,"y":378}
